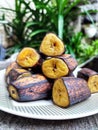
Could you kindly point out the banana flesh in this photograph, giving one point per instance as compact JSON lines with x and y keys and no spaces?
{"x":54,"y":68}
{"x":28,"y":57}
{"x":52,"y":45}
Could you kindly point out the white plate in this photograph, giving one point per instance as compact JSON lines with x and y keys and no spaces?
{"x":45,"y":109}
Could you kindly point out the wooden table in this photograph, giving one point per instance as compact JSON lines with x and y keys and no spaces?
{"x":12,"y":122}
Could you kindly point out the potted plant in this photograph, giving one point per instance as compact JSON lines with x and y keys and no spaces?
{"x":33,"y":19}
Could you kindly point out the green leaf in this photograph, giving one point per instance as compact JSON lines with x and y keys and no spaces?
{"x":71,"y":5}
{"x":37,"y":32}
{"x":28,"y":24}
{"x":90,"y":17}
{"x":8,"y":9}
{"x":60,"y":26}
{"x":61,"y":5}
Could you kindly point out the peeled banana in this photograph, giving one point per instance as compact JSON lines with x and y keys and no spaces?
{"x":15,"y":74}
{"x":12,"y":65}
{"x":56,"y":67}
{"x":91,"y":77}
{"x":69,"y":90}
{"x":30,"y":88}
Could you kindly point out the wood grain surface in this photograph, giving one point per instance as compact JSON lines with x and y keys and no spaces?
{"x":12,"y":122}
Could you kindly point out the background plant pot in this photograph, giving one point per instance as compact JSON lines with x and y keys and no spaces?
{"x":92,"y":63}
{"x":6,"y":62}
{"x":90,"y":30}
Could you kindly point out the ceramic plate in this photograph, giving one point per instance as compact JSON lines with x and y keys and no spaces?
{"x":45,"y":109}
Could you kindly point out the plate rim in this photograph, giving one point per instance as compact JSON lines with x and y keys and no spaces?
{"x":82,"y":115}
{"x":47,"y":117}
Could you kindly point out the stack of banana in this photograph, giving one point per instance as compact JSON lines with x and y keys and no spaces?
{"x":46,"y":74}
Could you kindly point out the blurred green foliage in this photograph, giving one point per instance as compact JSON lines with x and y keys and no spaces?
{"x":34,"y":18}
{"x":82,"y":51}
